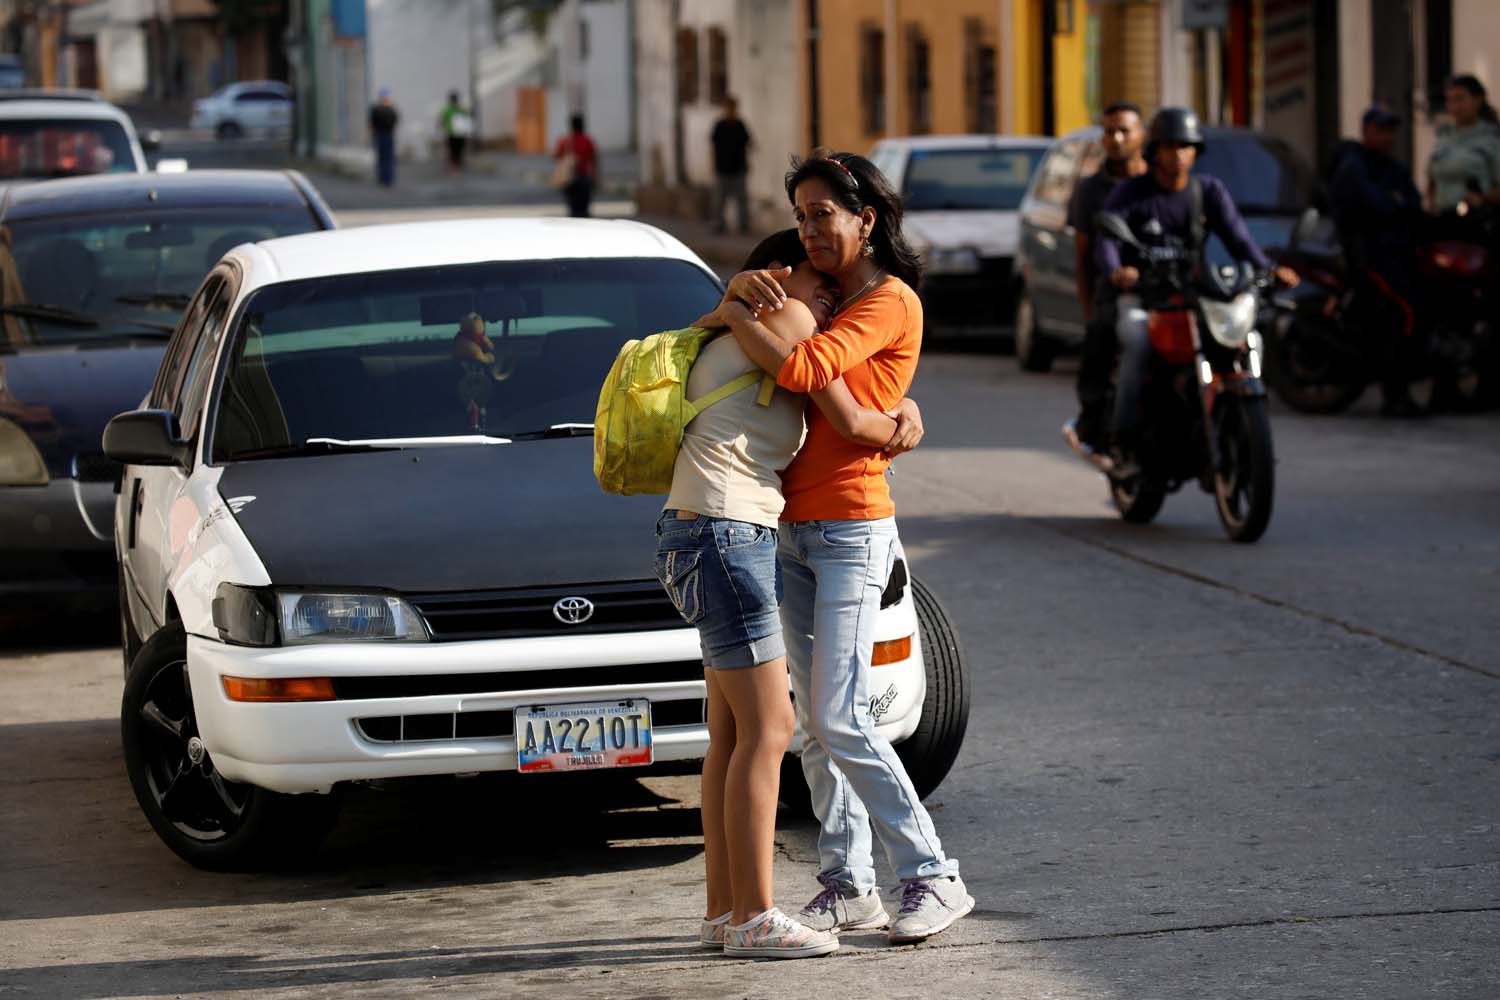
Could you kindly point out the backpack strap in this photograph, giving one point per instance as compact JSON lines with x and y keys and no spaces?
{"x":1197,"y":230}
{"x":767,"y":387}
{"x":723,"y":392}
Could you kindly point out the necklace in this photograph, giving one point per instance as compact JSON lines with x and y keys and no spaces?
{"x":880,"y":271}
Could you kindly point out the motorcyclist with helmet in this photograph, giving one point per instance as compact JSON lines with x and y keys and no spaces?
{"x":1170,"y":210}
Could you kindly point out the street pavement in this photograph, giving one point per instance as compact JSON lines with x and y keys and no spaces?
{"x":1193,"y":769}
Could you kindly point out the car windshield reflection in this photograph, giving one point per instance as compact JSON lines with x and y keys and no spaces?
{"x":480,"y":353}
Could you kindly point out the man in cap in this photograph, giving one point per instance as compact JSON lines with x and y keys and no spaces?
{"x":1377,"y":208}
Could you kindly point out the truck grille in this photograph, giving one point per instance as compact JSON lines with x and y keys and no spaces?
{"x":634,"y":606}
{"x":421,"y":685}
{"x":496,"y":725}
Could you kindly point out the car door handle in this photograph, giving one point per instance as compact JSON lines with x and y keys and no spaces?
{"x":1046,"y":239}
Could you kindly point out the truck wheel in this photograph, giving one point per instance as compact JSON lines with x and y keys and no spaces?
{"x":1034,"y":349}
{"x":208,"y":821}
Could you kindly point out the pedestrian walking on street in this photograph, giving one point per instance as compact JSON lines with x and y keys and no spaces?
{"x":731,"y":141}
{"x":457,"y":126}
{"x":577,"y":167}
{"x":716,"y":557}
{"x":383,"y":118}
{"x":1464,"y":168}
{"x":1123,"y":140}
{"x":837,"y":544}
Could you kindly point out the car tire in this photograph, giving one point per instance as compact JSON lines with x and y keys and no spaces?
{"x":1034,"y":349}
{"x":130,"y":640}
{"x":929,"y":752}
{"x":228,"y":130}
{"x":207,"y":821}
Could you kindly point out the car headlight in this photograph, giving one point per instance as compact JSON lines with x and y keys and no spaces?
{"x":256,"y":616}
{"x":953,"y":260}
{"x":20,"y":463}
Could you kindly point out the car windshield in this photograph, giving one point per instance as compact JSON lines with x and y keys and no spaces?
{"x":474,"y":352}
{"x":968,"y":179}
{"x":90,"y":277}
{"x":1264,"y":176}
{"x":63,"y":147}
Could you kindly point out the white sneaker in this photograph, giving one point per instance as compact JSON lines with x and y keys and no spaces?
{"x":773,"y":934}
{"x":711,"y":932}
{"x":929,"y":905}
{"x":833,"y":910}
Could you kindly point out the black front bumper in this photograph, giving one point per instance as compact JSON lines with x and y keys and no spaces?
{"x":985,"y":298}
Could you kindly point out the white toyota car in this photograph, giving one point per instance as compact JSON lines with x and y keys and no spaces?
{"x":361,"y":541}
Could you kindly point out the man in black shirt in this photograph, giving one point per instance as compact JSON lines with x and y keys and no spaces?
{"x":1377,"y":209}
{"x":1122,"y":140}
{"x":731,"y":145}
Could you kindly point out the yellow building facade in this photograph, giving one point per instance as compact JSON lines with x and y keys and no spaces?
{"x":878,"y":68}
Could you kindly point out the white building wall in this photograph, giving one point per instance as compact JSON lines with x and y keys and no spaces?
{"x":421,"y":51}
{"x":592,"y":78}
{"x":1356,"y":68}
{"x":655,"y":89}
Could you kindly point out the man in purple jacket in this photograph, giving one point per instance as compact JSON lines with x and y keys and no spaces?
{"x":1159,"y":206}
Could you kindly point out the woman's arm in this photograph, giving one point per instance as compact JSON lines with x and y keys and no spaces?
{"x":853,"y":421}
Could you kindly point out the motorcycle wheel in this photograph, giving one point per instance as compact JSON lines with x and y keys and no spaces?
{"x":1137,"y":498}
{"x":1245,"y":482}
{"x":1306,"y":377}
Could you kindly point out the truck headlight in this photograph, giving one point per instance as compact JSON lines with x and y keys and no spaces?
{"x":347,"y":617}
{"x":20,"y":463}
{"x":953,"y":260}
{"x":258,"y":616}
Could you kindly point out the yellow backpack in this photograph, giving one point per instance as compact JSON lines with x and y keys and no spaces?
{"x":644,"y":409}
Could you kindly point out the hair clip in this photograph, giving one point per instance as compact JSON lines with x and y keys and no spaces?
{"x":847,"y":172}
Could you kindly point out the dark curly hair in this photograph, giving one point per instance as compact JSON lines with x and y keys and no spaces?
{"x":782,"y":246}
{"x":857,"y":184}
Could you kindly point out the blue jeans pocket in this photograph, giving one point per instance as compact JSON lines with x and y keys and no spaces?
{"x":679,"y":573}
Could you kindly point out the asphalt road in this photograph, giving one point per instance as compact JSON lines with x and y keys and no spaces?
{"x":1193,"y":769}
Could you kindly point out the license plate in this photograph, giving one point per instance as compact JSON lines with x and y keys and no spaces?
{"x":584,"y":736}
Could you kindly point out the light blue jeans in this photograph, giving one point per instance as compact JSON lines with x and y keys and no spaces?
{"x":833,"y":573}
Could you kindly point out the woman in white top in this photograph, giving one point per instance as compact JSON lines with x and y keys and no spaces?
{"x":716,"y":556}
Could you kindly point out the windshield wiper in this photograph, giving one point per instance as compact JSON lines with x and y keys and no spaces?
{"x":171,"y":300}
{"x":315,"y":446}
{"x":60,"y":315}
{"x":555,"y":431}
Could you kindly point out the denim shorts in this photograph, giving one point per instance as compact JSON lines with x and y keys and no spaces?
{"x":723,"y":579}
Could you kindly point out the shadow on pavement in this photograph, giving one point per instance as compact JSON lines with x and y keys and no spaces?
{"x":223,"y":973}
{"x":58,"y":624}
{"x":69,"y":821}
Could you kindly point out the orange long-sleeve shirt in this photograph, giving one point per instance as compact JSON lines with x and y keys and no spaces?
{"x":874,"y":345}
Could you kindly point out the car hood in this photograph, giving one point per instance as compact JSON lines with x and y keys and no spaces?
{"x":463,"y":517}
{"x":993,"y":234}
{"x":63,"y":396}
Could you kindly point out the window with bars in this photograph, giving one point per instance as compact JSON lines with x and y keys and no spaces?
{"x":872,"y":78}
{"x":687,"y":66}
{"x":918,"y":81}
{"x":718,"y":66}
{"x":980,"y":99}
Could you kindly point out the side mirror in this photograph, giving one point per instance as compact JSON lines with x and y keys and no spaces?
{"x":1307,"y":226}
{"x":150,"y":141}
{"x":1115,"y":226}
{"x":146,"y":437}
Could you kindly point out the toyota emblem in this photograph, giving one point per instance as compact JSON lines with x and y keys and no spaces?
{"x":573,"y":610}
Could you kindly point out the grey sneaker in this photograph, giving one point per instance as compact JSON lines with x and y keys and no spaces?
{"x":928,"y":906}
{"x":832,"y":910}
{"x":711,"y":932}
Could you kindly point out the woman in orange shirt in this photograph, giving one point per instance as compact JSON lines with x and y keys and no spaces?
{"x":838,"y":541}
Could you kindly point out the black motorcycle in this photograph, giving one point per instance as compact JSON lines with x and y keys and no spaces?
{"x":1334,"y":337}
{"x":1203,"y":404}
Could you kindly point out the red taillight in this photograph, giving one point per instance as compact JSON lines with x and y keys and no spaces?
{"x":1172,"y":335}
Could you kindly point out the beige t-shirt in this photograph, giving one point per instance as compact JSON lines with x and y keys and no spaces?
{"x":732,"y":454}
